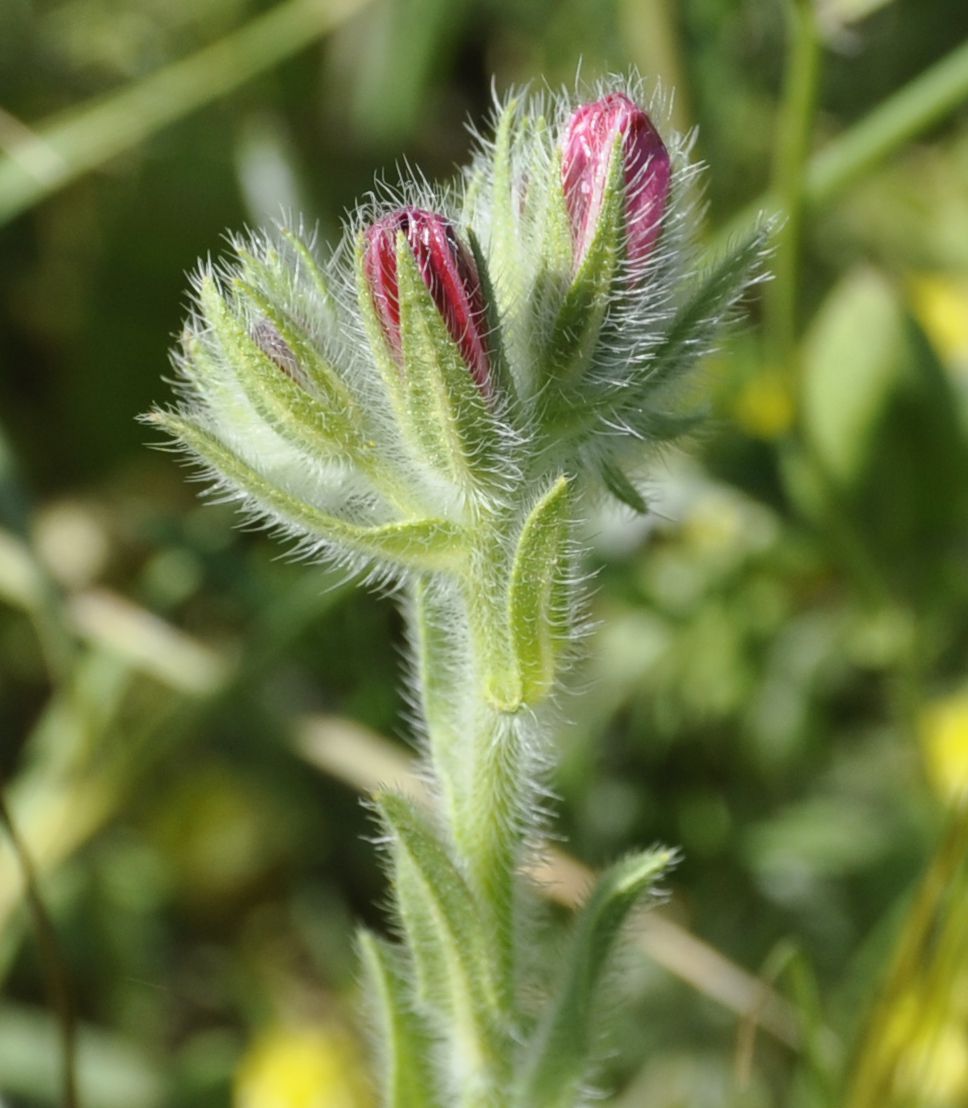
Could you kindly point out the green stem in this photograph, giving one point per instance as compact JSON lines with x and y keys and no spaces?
{"x":58,"y":981}
{"x":97,"y":132}
{"x":478,"y":749}
{"x":794,"y":129}
{"x":918,"y":106}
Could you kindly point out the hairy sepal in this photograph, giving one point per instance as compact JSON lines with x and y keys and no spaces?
{"x":556,"y":1064}
{"x":400,"y":1031}
{"x":690,"y":334}
{"x":442,"y":923}
{"x":443,"y":410}
{"x":579,"y":320}
{"x":536,"y":593}
{"x":620,"y":486}
{"x":327,"y":426}
{"x":422,"y":545}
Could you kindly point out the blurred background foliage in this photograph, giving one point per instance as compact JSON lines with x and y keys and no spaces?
{"x":780,"y":678}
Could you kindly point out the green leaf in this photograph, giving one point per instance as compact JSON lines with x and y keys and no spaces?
{"x":403,"y":1040}
{"x":695,"y":325}
{"x":882,"y":424}
{"x":535,"y":590}
{"x":443,"y":408}
{"x":558,"y":1056}
{"x":621,"y":487}
{"x":442,"y":923}
{"x":425,"y":544}
{"x":309,"y":264}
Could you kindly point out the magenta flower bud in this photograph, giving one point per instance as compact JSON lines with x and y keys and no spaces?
{"x":449,"y":273}
{"x":589,"y":143}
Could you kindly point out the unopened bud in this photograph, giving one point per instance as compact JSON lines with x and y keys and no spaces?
{"x":593,"y":133}
{"x":449,"y":272}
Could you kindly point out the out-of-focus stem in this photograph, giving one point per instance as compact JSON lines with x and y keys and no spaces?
{"x":794,"y":130}
{"x":922,"y":103}
{"x":58,"y":982}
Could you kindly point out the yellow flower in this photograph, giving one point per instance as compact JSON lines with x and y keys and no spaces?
{"x":764,"y":407}
{"x":944,"y":744}
{"x":940,"y":303}
{"x":313,"y":1066}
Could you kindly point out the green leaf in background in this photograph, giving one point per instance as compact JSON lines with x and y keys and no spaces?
{"x":883,"y":424}
{"x":91,"y":135}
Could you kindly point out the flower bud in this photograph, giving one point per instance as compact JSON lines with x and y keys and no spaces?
{"x":593,"y":131}
{"x":449,"y":272}
{"x":275,"y":347}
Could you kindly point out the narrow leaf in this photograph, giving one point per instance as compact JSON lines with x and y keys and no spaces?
{"x":309,"y":263}
{"x":442,"y":924}
{"x":501,"y":377}
{"x":621,"y":487}
{"x":536,"y":578}
{"x":691,"y":333}
{"x":558,"y":1058}
{"x":403,"y":1040}
{"x":421,"y":544}
{"x":505,"y":233}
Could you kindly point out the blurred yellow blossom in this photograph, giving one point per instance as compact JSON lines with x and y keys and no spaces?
{"x":926,"y":1044}
{"x":944,"y":744}
{"x":308,"y":1066}
{"x":764,"y":407}
{"x":941,"y":305}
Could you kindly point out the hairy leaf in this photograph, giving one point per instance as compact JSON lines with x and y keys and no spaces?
{"x":421,"y":544}
{"x":443,"y":928}
{"x":536,"y":580}
{"x":559,"y":1052}
{"x":403,"y":1039}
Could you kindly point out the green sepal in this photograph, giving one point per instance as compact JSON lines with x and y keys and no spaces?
{"x":501,"y":379}
{"x":696,"y":322}
{"x":443,"y":409}
{"x":621,"y":487}
{"x":328,"y":426}
{"x":401,"y":1034}
{"x":425,"y":544}
{"x":505,"y":241}
{"x":557,"y":1059}
{"x":442,"y":923}
{"x":575,"y":333}
{"x":385,"y":360}
{"x":535,"y":593}
{"x":309,"y":264}
{"x":317,"y":371}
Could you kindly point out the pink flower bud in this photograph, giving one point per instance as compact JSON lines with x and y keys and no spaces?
{"x":590,"y":141}
{"x":449,"y":273}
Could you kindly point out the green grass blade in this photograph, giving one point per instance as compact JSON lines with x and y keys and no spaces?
{"x":93,"y":134}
